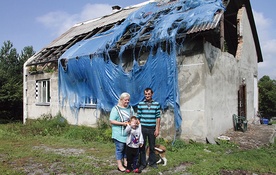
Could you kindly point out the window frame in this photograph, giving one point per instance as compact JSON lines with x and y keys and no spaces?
{"x":90,"y":103}
{"x":43,"y":92}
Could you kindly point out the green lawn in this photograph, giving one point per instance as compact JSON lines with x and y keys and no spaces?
{"x":51,"y":146}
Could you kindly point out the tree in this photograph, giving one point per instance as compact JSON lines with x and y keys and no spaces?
{"x":267,"y":97}
{"x":11,"y":80}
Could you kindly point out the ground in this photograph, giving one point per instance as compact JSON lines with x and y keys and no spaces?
{"x":257,"y":135}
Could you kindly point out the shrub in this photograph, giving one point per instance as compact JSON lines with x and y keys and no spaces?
{"x":47,"y":125}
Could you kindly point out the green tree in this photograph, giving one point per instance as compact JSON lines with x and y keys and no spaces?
{"x":11,"y":80}
{"x":267,"y":96}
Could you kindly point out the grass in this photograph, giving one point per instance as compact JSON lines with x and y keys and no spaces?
{"x":272,"y":122}
{"x":51,"y":146}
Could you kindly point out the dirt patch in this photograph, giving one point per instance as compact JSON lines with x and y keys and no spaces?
{"x":61,"y":151}
{"x":256,"y":136}
{"x":30,"y":167}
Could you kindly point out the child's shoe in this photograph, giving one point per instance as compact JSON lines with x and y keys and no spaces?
{"x":137,"y":170}
{"x":128,"y":171}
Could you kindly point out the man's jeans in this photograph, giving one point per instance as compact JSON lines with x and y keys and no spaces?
{"x":148,"y":135}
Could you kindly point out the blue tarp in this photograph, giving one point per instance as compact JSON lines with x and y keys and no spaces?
{"x":86,"y":70}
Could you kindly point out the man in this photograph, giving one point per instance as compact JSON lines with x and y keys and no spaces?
{"x":148,"y":112}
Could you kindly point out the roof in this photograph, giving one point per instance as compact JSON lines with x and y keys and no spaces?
{"x":88,"y":29}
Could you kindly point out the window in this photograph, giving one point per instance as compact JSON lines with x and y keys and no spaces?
{"x":90,"y":103}
{"x":43,"y":91}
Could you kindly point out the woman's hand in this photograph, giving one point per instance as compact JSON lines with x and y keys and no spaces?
{"x":126,"y":123}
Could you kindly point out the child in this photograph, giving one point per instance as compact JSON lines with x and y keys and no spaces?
{"x":133,"y":142}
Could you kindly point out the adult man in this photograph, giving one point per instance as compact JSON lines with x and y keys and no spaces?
{"x":148,"y":112}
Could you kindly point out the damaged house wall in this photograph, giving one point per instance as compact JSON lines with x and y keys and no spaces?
{"x":209,"y":83}
{"x":195,"y":78}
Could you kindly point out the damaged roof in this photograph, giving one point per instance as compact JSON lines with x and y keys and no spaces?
{"x":88,"y":29}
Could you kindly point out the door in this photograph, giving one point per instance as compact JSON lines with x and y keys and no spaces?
{"x":242,"y":101}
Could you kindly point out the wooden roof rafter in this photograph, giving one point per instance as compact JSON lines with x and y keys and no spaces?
{"x":52,"y":54}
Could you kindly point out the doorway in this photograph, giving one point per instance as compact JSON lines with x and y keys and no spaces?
{"x":242,"y":101}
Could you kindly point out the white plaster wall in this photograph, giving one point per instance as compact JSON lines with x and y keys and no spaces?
{"x":222,"y":83}
{"x":31,"y":109}
{"x":192,"y":94}
{"x":247,"y":61}
{"x":167,"y":125}
{"x":208,"y":95}
{"x":85,"y":116}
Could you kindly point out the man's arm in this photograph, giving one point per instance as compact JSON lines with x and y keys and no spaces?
{"x":157,"y":128}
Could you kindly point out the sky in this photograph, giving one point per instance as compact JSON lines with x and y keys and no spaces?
{"x":38,"y":22}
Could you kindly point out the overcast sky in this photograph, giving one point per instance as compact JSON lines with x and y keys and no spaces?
{"x":38,"y":22}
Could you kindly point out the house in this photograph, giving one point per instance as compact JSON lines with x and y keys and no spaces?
{"x":200,"y":57}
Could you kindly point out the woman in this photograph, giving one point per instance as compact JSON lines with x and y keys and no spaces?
{"x":119,"y":117}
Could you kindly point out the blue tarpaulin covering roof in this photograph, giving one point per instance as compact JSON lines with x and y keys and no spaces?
{"x":87,"y":72}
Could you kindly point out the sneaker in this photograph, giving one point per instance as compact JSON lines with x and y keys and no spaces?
{"x":137,"y":170}
{"x":154,"y":166}
{"x":128,"y":171}
{"x":142,"y":167}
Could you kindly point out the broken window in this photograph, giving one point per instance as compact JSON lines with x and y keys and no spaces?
{"x":230,"y":33}
{"x":230,"y":28}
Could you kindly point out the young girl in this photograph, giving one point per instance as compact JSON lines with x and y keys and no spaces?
{"x":133,"y":142}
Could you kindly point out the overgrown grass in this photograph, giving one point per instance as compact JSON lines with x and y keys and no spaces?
{"x":50,"y":145}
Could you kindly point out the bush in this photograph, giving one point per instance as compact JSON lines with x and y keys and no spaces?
{"x":88,"y":134}
{"x":47,"y":125}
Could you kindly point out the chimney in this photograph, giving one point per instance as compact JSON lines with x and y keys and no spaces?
{"x":116,"y":8}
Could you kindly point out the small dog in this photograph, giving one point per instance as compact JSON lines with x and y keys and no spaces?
{"x":159,"y":150}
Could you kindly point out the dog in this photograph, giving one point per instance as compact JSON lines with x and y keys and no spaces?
{"x":159,"y":150}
